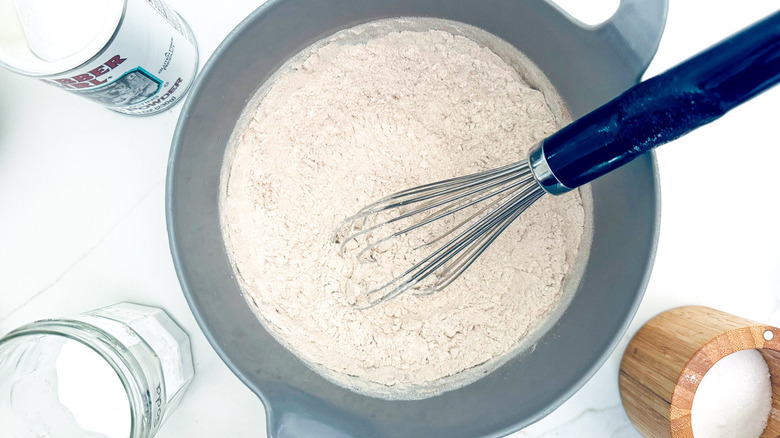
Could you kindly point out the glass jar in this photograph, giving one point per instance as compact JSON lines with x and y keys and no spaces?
{"x":114,"y":372}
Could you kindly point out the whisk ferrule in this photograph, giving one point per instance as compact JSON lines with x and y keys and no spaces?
{"x":542,"y":172}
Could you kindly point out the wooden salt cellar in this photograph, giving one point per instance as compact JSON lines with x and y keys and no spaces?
{"x":667,"y":358}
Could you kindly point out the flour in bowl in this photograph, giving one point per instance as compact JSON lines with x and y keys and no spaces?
{"x":361,"y":115}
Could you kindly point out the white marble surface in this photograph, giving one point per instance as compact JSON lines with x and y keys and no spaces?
{"x":83,"y":224}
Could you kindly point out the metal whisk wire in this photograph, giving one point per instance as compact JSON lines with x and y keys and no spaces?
{"x":506,"y":192}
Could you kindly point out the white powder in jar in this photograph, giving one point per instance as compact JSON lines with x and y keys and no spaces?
{"x":58,"y":29}
{"x":92,"y":392}
{"x":344,"y":123}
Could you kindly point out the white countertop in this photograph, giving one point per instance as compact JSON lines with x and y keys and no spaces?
{"x":83,"y":221}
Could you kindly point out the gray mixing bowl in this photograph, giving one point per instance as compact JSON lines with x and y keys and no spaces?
{"x":587,"y":65}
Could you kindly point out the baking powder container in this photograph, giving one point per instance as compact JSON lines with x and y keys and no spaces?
{"x":58,"y":375}
{"x":668,"y":357}
{"x":135,"y":57}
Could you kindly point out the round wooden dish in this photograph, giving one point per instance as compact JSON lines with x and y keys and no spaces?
{"x":667,"y":358}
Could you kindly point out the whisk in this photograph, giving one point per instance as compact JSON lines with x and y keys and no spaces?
{"x":647,"y":115}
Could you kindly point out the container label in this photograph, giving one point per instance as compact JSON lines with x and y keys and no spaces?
{"x":135,"y":86}
{"x":146,"y":67}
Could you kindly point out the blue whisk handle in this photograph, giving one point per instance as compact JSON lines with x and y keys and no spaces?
{"x":667,"y":106}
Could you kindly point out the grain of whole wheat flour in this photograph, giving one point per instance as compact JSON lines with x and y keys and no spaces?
{"x":346,"y":123}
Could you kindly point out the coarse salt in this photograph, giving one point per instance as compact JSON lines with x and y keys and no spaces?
{"x":734,"y":398}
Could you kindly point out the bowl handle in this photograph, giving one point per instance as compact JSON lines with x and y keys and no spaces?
{"x":635,"y":31}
